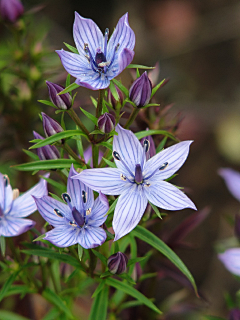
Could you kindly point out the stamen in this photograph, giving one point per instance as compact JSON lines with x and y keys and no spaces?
{"x":92,"y":62}
{"x":163,"y":166}
{"x":66,"y":197}
{"x":116,"y":155}
{"x":84,"y":196}
{"x":122,"y":177}
{"x":78,"y":217}
{"x":58,"y":213}
{"x":147,"y":184}
{"x":6,"y":180}
{"x":146,"y":145}
{"x":88,"y":211}
{"x":73,"y":223}
{"x":15,"y":194}
{"x":138,"y":174}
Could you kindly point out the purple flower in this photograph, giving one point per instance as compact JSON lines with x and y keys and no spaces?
{"x":77,"y":221}
{"x":231,"y":260}
{"x":14,"y":207}
{"x":88,"y":155}
{"x":47,"y":152}
{"x":141,"y":90}
{"x":117,"y":263}
{"x":11,"y":10}
{"x":232,"y":180}
{"x":106,"y":122}
{"x":138,"y":181}
{"x":62,"y":101}
{"x":99,"y":60}
{"x":50,"y":126}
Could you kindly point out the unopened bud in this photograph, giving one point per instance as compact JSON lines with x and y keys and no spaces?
{"x":234,"y":314}
{"x":141,"y":90}
{"x":106,"y":123}
{"x":50,"y":126}
{"x":112,"y":100}
{"x":117,"y":263}
{"x":62,"y":101}
{"x":47,"y":152}
{"x":11,"y":10}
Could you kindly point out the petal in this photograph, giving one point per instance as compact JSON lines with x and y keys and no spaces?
{"x":231,"y":260}
{"x":166,"y":196}
{"x":232,"y":180}
{"x":24,"y":205}
{"x":129,"y":210}
{"x":175,"y":156}
{"x":46,"y":206}
{"x":88,"y":155}
{"x":94,"y":81}
{"x":12,"y":226}
{"x":86,"y":31}
{"x":75,"y":189}
{"x":129,"y":149}
{"x":122,"y":35}
{"x":99,"y":210}
{"x":6,"y":194}
{"x":62,"y":236}
{"x":106,"y":180}
{"x":75,"y":64}
{"x":124,"y":59}
{"x":91,"y":237}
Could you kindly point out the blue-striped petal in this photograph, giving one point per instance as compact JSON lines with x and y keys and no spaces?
{"x":24,"y":205}
{"x":108,"y":180}
{"x":12,"y":226}
{"x":46,"y":206}
{"x":98,"y":214}
{"x":124,"y":59}
{"x":129,"y":210}
{"x":94,"y":81}
{"x":62,"y":236}
{"x":232,"y":180}
{"x":166,"y":196}
{"x":91,"y":237}
{"x":231,"y":260}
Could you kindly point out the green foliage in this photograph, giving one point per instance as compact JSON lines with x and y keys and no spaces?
{"x":100,"y":304}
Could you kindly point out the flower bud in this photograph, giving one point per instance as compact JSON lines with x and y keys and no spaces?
{"x":47,"y":152}
{"x":50,"y":126}
{"x":117,"y":263}
{"x":234,"y":314}
{"x":111,"y":98}
{"x":63,"y":101}
{"x":11,"y":10}
{"x":141,"y":90}
{"x":106,"y":122}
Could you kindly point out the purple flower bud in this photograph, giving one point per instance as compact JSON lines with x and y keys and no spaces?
{"x":112,"y":100}
{"x":50,"y":126}
{"x":141,"y":90}
{"x":63,"y":101}
{"x":117,"y":263}
{"x":106,"y":122}
{"x":46,"y":152}
{"x":234,"y":314}
{"x":11,"y":10}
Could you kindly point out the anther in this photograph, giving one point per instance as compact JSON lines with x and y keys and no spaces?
{"x":6,"y":180}
{"x":122,"y":177}
{"x":147,"y":184}
{"x":58,"y":213}
{"x":146,"y":145}
{"x":73,"y":223}
{"x":84,"y":196}
{"x":66,"y":197}
{"x":163,"y":166}
{"x":15,"y":194}
{"x":89,"y":210}
{"x":116,"y":155}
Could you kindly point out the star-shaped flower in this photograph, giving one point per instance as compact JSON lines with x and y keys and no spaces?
{"x":99,"y":60}
{"x":77,"y":221}
{"x":138,"y":181}
{"x":14,"y":207}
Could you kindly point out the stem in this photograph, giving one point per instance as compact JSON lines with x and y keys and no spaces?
{"x":100,"y":102}
{"x":55,"y":284}
{"x":70,"y":151}
{"x":132,"y":117}
{"x":106,"y":155}
{"x":92,"y":263}
{"x":78,"y":122}
{"x":95,"y":154}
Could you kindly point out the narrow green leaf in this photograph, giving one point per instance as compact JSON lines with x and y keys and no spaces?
{"x":68,"y":80}
{"x":106,"y":274}
{"x":104,"y":107}
{"x":135,"y":260}
{"x":139,"y":66}
{"x":96,"y":132}
{"x":48,"y":103}
{"x":106,"y":145}
{"x":143,"y":134}
{"x":100,"y":256}
{"x":32,"y":155}
{"x":213,"y":318}
{"x":8,"y":284}
{"x":57,"y":137}
{"x":39,"y":238}
{"x":70,"y":88}
{"x":80,"y":252}
{"x":98,"y":289}
{"x":94,"y":101}
{"x":155,"y":242}
{"x":3,"y":245}
{"x":123,"y":286}
{"x":46,"y":165}
{"x":112,"y":207}
{"x":110,"y":163}
{"x":55,"y":299}
{"x":121,"y":87}
{"x":127,"y":277}
{"x":138,"y":73}
{"x":53,"y":314}
{"x":60,"y":187}
{"x":71,"y":48}
{"x":113,"y":91}
{"x":151,"y":105}
{"x":130,"y":304}
{"x":110,"y":235}
{"x":147,"y":276}
{"x":156,"y":210}
{"x":90,"y":116}
{"x":80,"y":147}
{"x":19,"y":289}
{"x":155,"y":89}
{"x":99,"y":306}
{"x":161,"y":144}
{"x":8,"y":315}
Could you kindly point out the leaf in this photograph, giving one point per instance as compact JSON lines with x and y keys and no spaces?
{"x":57,"y":137}
{"x":8,"y":315}
{"x":123,"y":286}
{"x":213,"y":318}
{"x":19,"y":289}
{"x":99,"y":306}
{"x":121,"y":87}
{"x":143,"y":134}
{"x":80,"y":252}
{"x":138,"y":66}
{"x":90,"y":116}
{"x":158,"y":244}
{"x":71,"y":48}
{"x":161,"y":144}
{"x":112,"y":207}
{"x":110,"y":163}
{"x":57,"y":301}
{"x":151,"y":105}
{"x":68,"y":80}
{"x":48,"y":103}
{"x":52,"y":314}
{"x":70,"y":88}
{"x":156,"y":210}
{"x":3,"y":245}
{"x":135,"y":260}
{"x":80,"y":147}
{"x":113,"y":90}
{"x":94,"y":101}
{"x":8,"y":284}
{"x":31,"y":154}
{"x":100,"y":256}
{"x":104,"y":107}
{"x":60,"y":187}
{"x":39,"y":238}
{"x":127,"y":277}
{"x":98,"y":289}
{"x":46,"y":165}
{"x":129,"y":304}
{"x":155,"y":89}
{"x":106,"y":145}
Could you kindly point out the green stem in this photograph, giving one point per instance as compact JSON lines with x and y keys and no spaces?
{"x":95,"y":154}
{"x":78,"y":122}
{"x":132,"y":117}
{"x":106,"y":155}
{"x":92,"y":263}
{"x":75,"y":254}
{"x":55,"y":284}
{"x":100,"y":103}
{"x":70,"y":151}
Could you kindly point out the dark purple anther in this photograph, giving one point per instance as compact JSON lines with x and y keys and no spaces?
{"x":100,"y":57}
{"x":117,"y":263}
{"x":62,"y":101}
{"x":50,"y":126}
{"x":11,"y":10}
{"x":234,"y":314}
{"x":141,"y":90}
{"x":47,"y":152}
{"x":78,"y":217}
{"x":138,"y":174}
{"x":106,"y":123}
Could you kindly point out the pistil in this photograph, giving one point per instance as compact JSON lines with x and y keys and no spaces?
{"x":138,"y":174}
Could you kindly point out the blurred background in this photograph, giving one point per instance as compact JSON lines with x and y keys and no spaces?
{"x":197,"y":45}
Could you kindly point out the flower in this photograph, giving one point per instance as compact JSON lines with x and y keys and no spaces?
{"x":11,"y":10}
{"x":99,"y":60}
{"x":117,"y":263}
{"x":141,"y":90}
{"x":106,"y":122}
{"x":50,"y":126}
{"x":77,"y":221}
{"x":14,"y":207}
{"x":62,"y":101}
{"x":232,"y":180}
{"x":47,"y":152}
{"x":231,"y":260}
{"x":138,"y":181}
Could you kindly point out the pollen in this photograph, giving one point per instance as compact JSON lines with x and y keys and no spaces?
{"x":15,"y":194}
{"x":88,"y":211}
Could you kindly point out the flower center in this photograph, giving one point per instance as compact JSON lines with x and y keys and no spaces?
{"x":138,"y":174}
{"x":78,"y":217}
